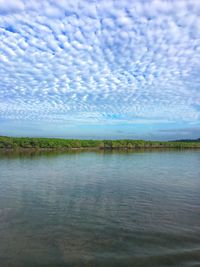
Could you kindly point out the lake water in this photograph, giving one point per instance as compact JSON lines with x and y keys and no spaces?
{"x":108,"y":209}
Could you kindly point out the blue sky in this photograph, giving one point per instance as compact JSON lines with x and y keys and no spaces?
{"x":100,"y":69}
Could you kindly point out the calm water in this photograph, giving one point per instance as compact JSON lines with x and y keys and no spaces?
{"x":100,"y":209}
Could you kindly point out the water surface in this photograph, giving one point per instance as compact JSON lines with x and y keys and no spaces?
{"x":104,"y":209}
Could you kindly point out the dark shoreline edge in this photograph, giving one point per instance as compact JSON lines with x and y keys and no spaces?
{"x":95,"y":149}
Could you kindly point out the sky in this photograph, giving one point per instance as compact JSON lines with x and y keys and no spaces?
{"x":100,"y":69}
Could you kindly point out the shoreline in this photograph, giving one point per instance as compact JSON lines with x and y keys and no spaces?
{"x":55,"y":144}
{"x":94,"y":149}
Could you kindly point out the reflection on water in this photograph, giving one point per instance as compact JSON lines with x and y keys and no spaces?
{"x":100,"y":209}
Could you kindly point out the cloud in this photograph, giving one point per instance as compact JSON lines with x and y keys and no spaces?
{"x":100,"y":61}
{"x":11,"y":6}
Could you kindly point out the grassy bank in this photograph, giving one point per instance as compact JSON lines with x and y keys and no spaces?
{"x":56,"y":143}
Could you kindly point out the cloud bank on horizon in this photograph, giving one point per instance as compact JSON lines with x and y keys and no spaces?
{"x":72,"y":66}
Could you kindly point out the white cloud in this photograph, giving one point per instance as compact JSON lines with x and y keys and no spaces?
{"x":87,"y":59}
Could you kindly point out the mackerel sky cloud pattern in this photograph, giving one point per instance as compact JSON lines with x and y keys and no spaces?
{"x":128,"y":65}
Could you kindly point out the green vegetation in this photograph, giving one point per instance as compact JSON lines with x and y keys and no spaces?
{"x":56,"y":143}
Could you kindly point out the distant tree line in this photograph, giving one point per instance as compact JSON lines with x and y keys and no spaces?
{"x":188,"y":140}
{"x":57,"y":143}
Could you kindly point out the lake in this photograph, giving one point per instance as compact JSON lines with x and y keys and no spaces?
{"x":103,"y":208}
